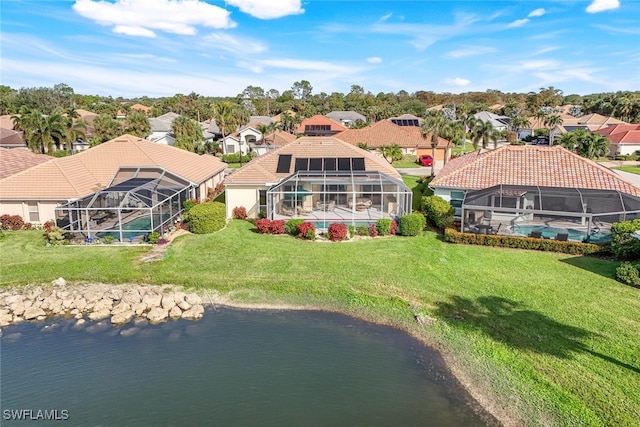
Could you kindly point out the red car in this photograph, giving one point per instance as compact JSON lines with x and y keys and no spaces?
{"x":425,"y":160}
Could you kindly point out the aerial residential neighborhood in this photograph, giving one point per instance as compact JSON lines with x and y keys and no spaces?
{"x":320,"y":213}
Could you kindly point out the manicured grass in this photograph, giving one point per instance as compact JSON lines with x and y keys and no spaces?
{"x":459,"y":149}
{"x":631,"y":169}
{"x":405,"y":165}
{"x":547,"y":338}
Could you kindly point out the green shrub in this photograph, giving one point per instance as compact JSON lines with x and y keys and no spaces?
{"x":291,"y":226}
{"x":352,"y":231}
{"x":438,"y":210}
{"x":188,"y":204}
{"x":629,"y":274}
{"x":412,"y":224}
{"x":207,"y":217}
{"x":153,"y":237}
{"x":384,"y":226}
{"x":108,"y":239}
{"x":55,"y":236}
{"x":235,"y":158}
{"x":362,"y":230}
{"x":623,"y":246}
{"x":517,"y":242}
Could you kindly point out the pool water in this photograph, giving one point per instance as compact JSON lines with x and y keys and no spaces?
{"x":551,"y":232}
{"x":136,"y":227}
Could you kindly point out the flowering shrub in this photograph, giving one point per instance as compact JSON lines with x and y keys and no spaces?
{"x":393,"y":230}
{"x":264,"y":225}
{"x":291,"y":226}
{"x":277,"y":227}
{"x":373,"y":231}
{"x":55,"y":236}
{"x":337,"y":232}
{"x":11,"y":222}
{"x":307,"y":230}
{"x":162,"y":241}
{"x":48,"y":226}
{"x":239,"y":212}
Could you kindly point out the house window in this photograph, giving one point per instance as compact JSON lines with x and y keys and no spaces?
{"x":456,"y":199}
{"x":34,"y":214}
{"x":309,"y":128}
{"x":231,"y":149}
{"x":262,"y":201}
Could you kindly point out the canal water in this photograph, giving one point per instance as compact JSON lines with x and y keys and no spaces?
{"x":232,"y":368}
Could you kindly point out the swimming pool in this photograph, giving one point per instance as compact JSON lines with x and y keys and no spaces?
{"x":551,"y":232}
{"x":136,"y":227}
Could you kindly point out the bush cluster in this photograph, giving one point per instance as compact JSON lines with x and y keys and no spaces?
{"x":629,"y":274}
{"x":515,"y":242}
{"x":438,"y":210}
{"x":108,"y":239}
{"x":386,"y":227}
{"x":235,"y":158}
{"x":53,"y":235}
{"x":337,"y":231}
{"x":239,"y":212}
{"x":307,"y":231}
{"x":373,"y":231}
{"x":267,"y":226}
{"x":362,"y":230}
{"x":623,"y":246}
{"x":12,"y":222}
{"x":412,"y":224}
{"x":153,"y":237}
{"x":207,"y":217}
{"x":291,"y":226}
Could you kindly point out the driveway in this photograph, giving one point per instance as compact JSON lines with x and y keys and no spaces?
{"x":628,"y":176}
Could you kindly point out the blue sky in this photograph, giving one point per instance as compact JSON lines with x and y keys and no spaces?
{"x":133,"y":48}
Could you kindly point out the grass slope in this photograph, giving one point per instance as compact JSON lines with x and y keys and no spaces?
{"x":544,"y":339}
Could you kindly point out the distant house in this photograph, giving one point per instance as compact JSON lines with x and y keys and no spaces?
{"x":210,"y":130}
{"x":385,"y":133}
{"x":624,"y":139}
{"x":89,"y":117}
{"x":347,"y":118}
{"x":319,"y":179}
{"x":11,"y":139}
{"x":499,"y":123}
{"x":319,"y":125}
{"x":536,"y":186}
{"x":238,"y":142}
{"x":255,"y":121}
{"x":14,"y":161}
{"x":591,"y":122}
{"x":36,"y":192}
{"x":270,"y":142}
{"x":162,"y":130}
{"x":138,"y":107}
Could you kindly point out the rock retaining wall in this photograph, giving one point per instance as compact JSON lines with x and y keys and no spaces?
{"x":97,"y":302}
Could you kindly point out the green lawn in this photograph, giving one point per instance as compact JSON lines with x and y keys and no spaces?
{"x":547,"y":338}
{"x":629,"y":168}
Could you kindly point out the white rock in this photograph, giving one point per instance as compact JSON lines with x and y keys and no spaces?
{"x":5,"y":317}
{"x":115,"y":294}
{"x":17,"y":307}
{"x":184,"y":305}
{"x":178,"y":297}
{"x":80,"y":303}
{"x":132,"y":296}
{"x":193,"y":298}
{"x":17,"y":319}
{"x":67,"y":303}
{"x":195,"y":312}
{"x":152,"y":299}
{"x":157,"y":314}
{"x":139,"y":308}
{"x":59,"y":282}
{"x":168,"y":302}
{"x":12,"y":299}
{"x":121,"y":307}
{"x":79,"y":316}
{"x":80,"y":321}
{"x":175,"y":312}
{"x":33,"y":313}
{"x":100,"y":314}
{"x":122,"y":317}
{"x":55,"y":306}
{"x":103,"y":304}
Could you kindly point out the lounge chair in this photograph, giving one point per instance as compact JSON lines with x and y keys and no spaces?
{"x":562,"y":237}
{"x":536,"y":234}
{"x":495,"y":231}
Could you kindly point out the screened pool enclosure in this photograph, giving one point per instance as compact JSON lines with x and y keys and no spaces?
{"x":138,"y":200}
{"x":586,"y":214}
{"x":354,"y":197}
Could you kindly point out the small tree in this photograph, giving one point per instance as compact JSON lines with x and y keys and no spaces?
{"x":207,"y":217}
{"x":391,"y":153}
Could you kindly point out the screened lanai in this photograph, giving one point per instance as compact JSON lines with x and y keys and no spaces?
{"x":586,"y":214}
{"x":138,"y":200}
{"x":354,"y":197}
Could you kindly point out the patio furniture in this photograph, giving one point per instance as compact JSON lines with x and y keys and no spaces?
{"x":362,"y":203}
{"x":495,"y":231}
{"x":562,"y":237}
{"x":536,"y":234}
{"x":483,"y":228}
{"x":328,"y":206}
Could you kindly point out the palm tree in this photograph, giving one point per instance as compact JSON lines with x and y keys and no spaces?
{"x":74,"y":130}
{"x":433,"y":126}
{"x":41,"y":133}
{"x":137,"y":124}
{"x":188,"y":134}
{"x":455,"y":132}
{"x":485,"y":132}
{"x":593,"y":146}
{"x":553,"y":120}
{"x":391,"y":153}
{"x":519,"y":123}
{"x":541,"y":116}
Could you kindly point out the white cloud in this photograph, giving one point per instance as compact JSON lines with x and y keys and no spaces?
{"x":144,"y":17}
{"x":470,"y":51}
{"x":385,"y":17}
{"x":268,"y":9}
{"x":518,"y":23}
{"x":457,"y":81}
{"x":374,"y":60}
{"x":537,"y":12}
{"x":237,"y":45}
{"x":602,"y":5}
{"x":299,"y":64}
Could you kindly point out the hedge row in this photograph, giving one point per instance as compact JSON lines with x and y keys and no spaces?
{"x":514,"y":242}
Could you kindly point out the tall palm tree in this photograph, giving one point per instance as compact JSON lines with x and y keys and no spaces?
{"x":74,"y":130}
{"x":137,"y":124}
{"x":41,"y":133}
{"x":519,"y":123}
{"x":188,"y":134}
{"x":485,"y":132}
{"x":553,"y":120}
{"x":432,"y":127}
{"x":541,"y":116}
{"x":593,"y":146}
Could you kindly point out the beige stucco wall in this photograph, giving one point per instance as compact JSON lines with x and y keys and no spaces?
{"x":246,"y":196}
{"x":210,"y":183}
{"x":46,"y":210}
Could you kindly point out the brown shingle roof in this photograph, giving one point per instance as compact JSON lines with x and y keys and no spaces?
{"x":529,"y":165}
{"x":86,"y":172}
{"x":14,"y":160}
{"x":262,"y":170}
{"x":10,"y":138}
{"x":384,"y":133}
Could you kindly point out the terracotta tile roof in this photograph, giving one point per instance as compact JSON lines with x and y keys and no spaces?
{"x":140,"y":107}
{"x":610,"y":130}
{"x":10,"y":138}
{"x":592,"y":121}
{"x":86,"y":172}
{"x":6,"y":122}
{"x":280,"y":138}
{"x":319,"y":119}
{"x":262,"y":170}
{"x":529,"y":165}
{"x":14,"y":160}
{"x":625,"y":137}
{"x":384,"y":133}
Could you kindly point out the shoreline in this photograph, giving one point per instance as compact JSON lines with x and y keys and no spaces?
{"x":164,"y":299}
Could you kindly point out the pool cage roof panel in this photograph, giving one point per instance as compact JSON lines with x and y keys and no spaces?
{"x":558,"y":199}
{"x":141,"y":187}
{"x":341,"y":177}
